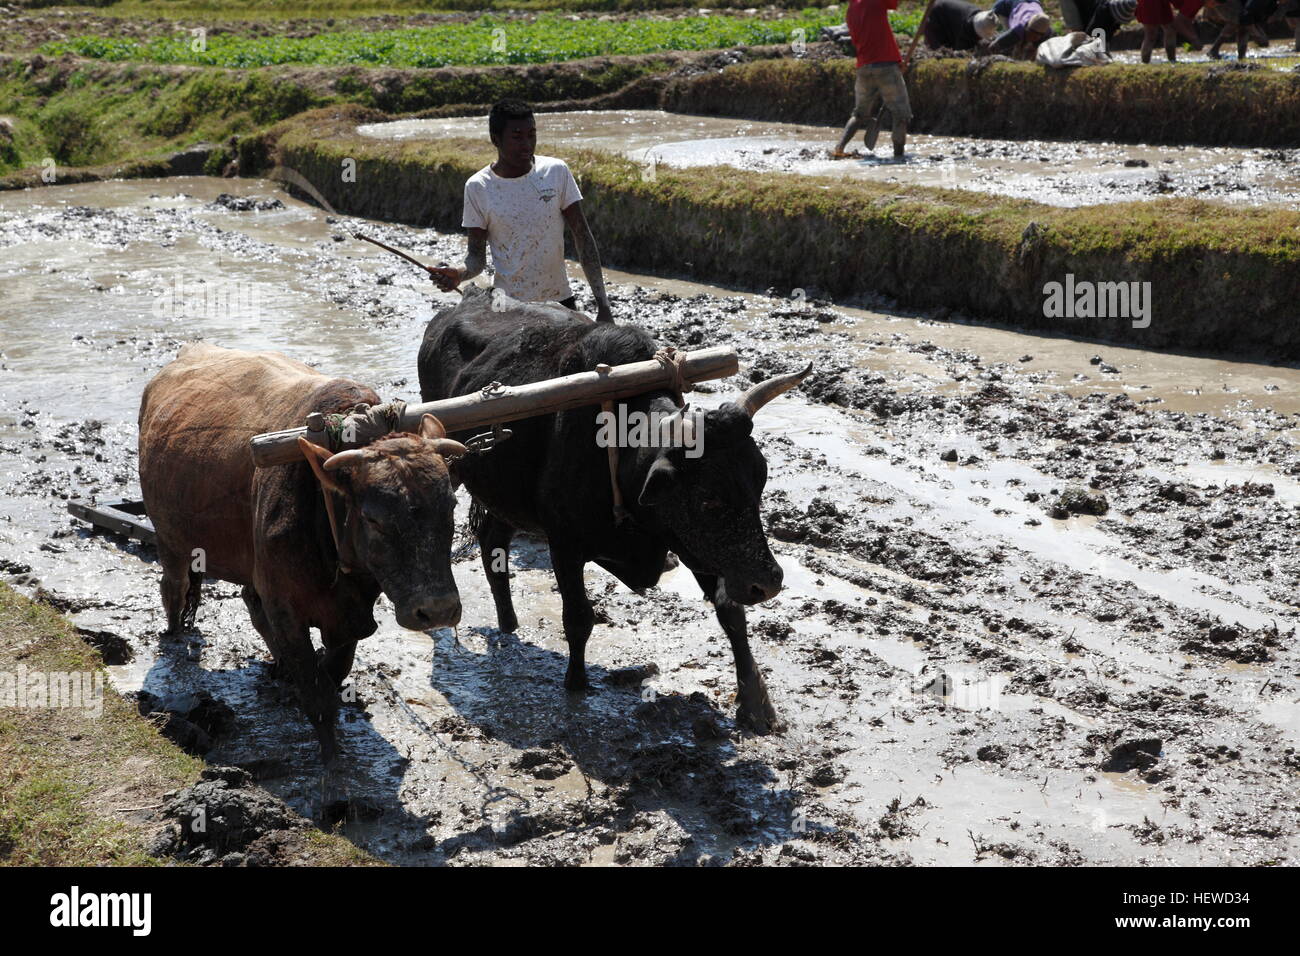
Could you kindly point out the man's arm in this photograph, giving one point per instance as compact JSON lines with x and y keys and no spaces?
{"x":1004,"y":42}
{"x":589,"y":256}
{"x":448,"y":277}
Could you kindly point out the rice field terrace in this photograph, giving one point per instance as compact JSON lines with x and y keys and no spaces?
{"x":485,"y":41}
{"x":1003,"y":454}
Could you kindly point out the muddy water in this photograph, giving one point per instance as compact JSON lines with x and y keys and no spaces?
{"x":1280,"y":54}
{"x":1060,"y":174}
{"x":951,"y":660}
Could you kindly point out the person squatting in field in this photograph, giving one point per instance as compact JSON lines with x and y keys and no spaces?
{"x":879,"y":77}
{"x":519,"y":205}
{"x":1027,"y":26}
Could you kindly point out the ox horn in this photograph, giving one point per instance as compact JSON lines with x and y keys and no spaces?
{"x":762,"y":393}
{"x":449,"y":447}
{"x":345,"y":459}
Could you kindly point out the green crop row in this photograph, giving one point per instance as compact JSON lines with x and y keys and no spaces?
{"x":488,"y":40}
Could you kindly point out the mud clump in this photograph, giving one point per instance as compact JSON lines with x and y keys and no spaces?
{"x":1079,"y":501}
{"x":191,"y":721}
{"x":1140,"y":753}
{"x":543,"y":764}
{"x":114,"y":648}
{"x":246,"y":203}
{"x":226,"y":820}
{"x":632,"y":676}
{"x":827,"y":774}
{"x":822,"y":523}
{"x":1234,"y":643}
{"x":1178,"y":494}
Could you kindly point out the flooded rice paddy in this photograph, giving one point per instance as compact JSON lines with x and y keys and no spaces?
{"x":973,"y":668}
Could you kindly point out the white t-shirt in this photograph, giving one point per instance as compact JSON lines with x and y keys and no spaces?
{"x":524,"y":227}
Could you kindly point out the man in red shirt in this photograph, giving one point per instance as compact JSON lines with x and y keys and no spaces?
{"x":879,"y":73}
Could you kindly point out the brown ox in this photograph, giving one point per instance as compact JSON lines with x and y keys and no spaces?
{"x":269,"y":529}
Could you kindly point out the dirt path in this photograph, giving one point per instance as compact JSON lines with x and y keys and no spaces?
{"x":966,"y":678}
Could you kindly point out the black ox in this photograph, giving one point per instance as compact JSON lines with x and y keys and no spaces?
{"x":552,"y":478}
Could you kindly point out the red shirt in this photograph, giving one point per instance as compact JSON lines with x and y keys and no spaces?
{"x":869,"y":29}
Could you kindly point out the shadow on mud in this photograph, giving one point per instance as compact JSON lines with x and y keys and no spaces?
{"x":655,"y":756}
{"x":247,"y":716}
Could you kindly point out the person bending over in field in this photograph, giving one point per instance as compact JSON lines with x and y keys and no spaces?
{"x":1110,"y":15}
{"x":958,"y":25}
{"x":1078,"y":13}
{"x":519,"y":206}
{"x":879,"y":76}
{"x":1027,"y":26}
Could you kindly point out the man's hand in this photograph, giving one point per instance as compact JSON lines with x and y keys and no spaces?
{"x":447,"y":277}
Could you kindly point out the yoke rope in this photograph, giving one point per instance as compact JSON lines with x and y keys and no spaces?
{"x":673,"y":360}
{"x":364,"y":424}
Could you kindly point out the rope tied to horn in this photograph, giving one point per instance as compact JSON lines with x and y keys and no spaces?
{"x":364,"y":424}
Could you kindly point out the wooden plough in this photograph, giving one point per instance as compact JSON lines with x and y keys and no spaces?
{"x":118,"y":515}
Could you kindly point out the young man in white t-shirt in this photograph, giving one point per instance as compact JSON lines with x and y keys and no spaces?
{"x":519,"y":206}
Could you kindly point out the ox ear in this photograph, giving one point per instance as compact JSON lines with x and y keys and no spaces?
{"x":658,"y":483}
{"x":316,"y":457}
{"x":431,"y":428}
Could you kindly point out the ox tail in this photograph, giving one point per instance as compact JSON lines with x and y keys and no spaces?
{"x":470,"y":532}
{"x":478,"y":515}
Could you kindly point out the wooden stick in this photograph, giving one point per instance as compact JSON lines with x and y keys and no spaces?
{"x":514,"y":402}
{"x":916,"y":38}
{"x":399,"y":252}
{"x":396,"y":252}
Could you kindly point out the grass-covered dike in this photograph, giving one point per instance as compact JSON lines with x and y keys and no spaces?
{"x":1127,"y":103}
{"x":83,"y":113}
{"x":1223,"y":278}
{"x":80,"y":788}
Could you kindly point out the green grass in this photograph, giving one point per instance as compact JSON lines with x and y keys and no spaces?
{"x":296,"y":9}
{"x":86,"y":121}
{"x":488,"y":40}
{"x":54,"y":764}
{"x":109,"y":113}
{"x":66,"y":777}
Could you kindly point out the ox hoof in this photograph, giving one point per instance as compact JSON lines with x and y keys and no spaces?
{"x":576,"y":683}
{"x":759,"y":717}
